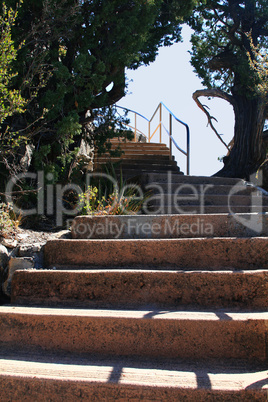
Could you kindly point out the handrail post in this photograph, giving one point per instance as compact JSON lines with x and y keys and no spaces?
{"x":160,"y":129}
{"x":188,"y":150}
{"x":135,"y":132}
{"x":170,"y":133}
{"x":171,"y":139}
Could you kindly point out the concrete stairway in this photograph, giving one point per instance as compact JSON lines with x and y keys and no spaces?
{"x":178,"y":194}
{"x":167,"y":307}
{"x":138,"y":158}
{"x":171,"y":192}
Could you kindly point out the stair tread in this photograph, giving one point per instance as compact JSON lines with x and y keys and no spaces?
{"x":214,"y":252}
{"x":106,"y":288}
{"x":213,"y":375}
{"x":205,"y":209}
{"x":131,"y":157}
{"x":149,"y":267}
{"x":138,"y":314}
{"x":154,"y":333}
{"x":137,"y":161}
{"x":154,"y":177}
{"x":221,"y":239}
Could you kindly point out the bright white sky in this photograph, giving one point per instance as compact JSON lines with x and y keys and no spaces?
{"x":171,"y":80}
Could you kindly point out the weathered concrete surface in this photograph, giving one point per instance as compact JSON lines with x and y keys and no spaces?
{"x":178,"y":194}
{"x":195,"y":180}
{"x":150,"y":313}
{"x":34,"y":378}
{"x":130,"y":164}
{"x":169,"y":226}
{"x":205,"y":199}
{"x":166,"y":289}
{"x":183,"y":334}
{"x":204,"y":209}
{"x":201,"y":188}
{"x":212,"y":253}
{"x":13,"y":265}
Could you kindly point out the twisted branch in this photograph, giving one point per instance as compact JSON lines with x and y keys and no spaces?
{"x":217,"y":93}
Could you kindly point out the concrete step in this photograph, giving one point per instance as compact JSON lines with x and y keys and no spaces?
{"x":147,"y":164}
{"x":34,"y":377}
{"x":142,"y":150}
{"x":138,"y":145}
{"x":192,"y":253}
{"x":138,"y":333}
{"x":139,"y":288}
{"x":203,"y":209}
{"x":171,"y":177}
{"x":204,"y":199}
{"x":143,"y":162}
{"x":185,"y":188}
{"x":128,"y":173}
{"x":132,"y":155}
{"x":169,"y":226}
{"x":139,"y":151}
{"x":136,"y":166}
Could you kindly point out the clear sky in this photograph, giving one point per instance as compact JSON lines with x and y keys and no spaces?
{"x":171,"y":80}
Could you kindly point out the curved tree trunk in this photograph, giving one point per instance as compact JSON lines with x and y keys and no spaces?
{"x":248,"y":151}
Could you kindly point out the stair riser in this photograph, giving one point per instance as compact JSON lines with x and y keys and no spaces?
{"x":212,"y":253}
{"x":107,"y":159}
{"x":173,"y":178}
{"x":137,"y":172}
{"x":151,"y":150}
{"x":201,"y":209}
{"x":144,"y":337}
{"x":129,"y":289}
{"x":149,"y":167}
{"x":169,"y":226}
{"x":138,"y":145}
{"x":32,"y":389}
{"x":178,"y":200}
{"x":139,"y":152}
{"x":144,"y":164}
{"x":192,"y":189}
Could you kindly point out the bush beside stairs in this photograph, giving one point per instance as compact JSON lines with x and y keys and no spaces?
{"x":156,"y":307}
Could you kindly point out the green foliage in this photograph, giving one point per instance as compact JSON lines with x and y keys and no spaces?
{"x":11,"y":101}
{"x":229,"y":36}
{"x":8,"y":220}
{"x":117,"y":203}
{"x":221,"y":42}
{"x":111,"y":195}
{"x":72,"y":51}
{"x":258,"y":59}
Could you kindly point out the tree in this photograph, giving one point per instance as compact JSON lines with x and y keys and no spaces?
{"x":11,"y":101}
{"x":229,"y":38}
{"x":81,"y":48}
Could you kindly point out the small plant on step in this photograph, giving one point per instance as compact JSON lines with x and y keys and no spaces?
{"x":117,"y":203}
{"x":9,"y":222}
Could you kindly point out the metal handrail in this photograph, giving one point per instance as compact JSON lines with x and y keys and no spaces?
{"x":132,"y":111}
{"x":136,"y":130}
{"x":159,"y":126}
{"x":174,"y":142}
{"x":187,"y":152}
